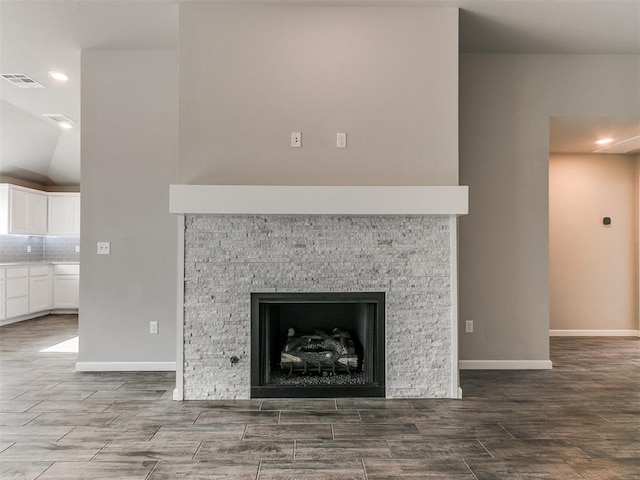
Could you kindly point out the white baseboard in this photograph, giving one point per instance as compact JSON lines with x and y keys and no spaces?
{"x":178,"y":395}
{"x":22,"y":318}
{"x":505,"y":364}
{"x":125,"y":366}
{"x":31,"y":316}
{"x":594,"y":333}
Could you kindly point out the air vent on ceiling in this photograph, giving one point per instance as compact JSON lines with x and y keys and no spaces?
{"x":21,"y":80}
{"x":628,"y":145}
{"x":57,"y":117}
{"x":62,"y":120}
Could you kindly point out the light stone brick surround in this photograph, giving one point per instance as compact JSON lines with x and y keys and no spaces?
{"x":227,"y":257}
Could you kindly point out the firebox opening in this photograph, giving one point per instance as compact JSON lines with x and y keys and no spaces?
{"x":317,"y":345}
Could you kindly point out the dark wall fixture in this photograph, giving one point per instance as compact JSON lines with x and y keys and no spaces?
{"x":606,"y":221}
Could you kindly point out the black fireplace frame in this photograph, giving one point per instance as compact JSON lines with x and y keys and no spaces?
{"x":375,"y":370}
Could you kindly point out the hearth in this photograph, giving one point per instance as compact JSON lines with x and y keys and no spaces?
{"x":317,"y":344}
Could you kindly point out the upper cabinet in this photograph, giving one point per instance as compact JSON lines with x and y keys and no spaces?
{"x":23,"y":211}
{"x":64,"y":214}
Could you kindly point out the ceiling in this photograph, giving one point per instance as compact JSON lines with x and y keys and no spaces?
{"x":39,"y":36}
{"x":578,"y":134}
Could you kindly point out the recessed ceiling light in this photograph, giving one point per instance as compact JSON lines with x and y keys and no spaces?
{"x":65,"y":125}
{"x":625,"y":146}
{"x":604,"y":141}
{"x":60,"y":76}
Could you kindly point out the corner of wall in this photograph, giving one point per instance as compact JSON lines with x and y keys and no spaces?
{"x":637,"y":239}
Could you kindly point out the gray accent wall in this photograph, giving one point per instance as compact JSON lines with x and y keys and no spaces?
{"x":505,"y":105}
{"x":129,"y":152}
{"x":251,"y":75}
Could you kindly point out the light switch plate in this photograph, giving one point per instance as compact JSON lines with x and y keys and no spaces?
{"x":104,"y":248}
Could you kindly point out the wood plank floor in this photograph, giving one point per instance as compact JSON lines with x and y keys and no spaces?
{"x":579,"y":421}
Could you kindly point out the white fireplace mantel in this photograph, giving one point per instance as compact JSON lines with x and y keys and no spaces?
{"x":318,"y":200}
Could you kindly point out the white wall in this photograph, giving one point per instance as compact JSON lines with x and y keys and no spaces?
{"x":592,"y":267}
{"x":251,"y":75}
{"x":129,"y":158}
{"x":505,"y":105}
{"x":637,"y":237}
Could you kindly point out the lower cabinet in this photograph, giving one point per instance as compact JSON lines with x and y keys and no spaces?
{"x":39,"y":289}
{"x":66,"y":285}
{"x":26,"y":291}
{"x":3,"y":309}
{"x":17,"y":291}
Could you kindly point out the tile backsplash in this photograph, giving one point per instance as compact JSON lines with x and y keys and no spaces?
{"x":61,"y":249}
{"x":14,"y":248}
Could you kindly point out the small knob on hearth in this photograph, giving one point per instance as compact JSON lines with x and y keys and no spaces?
{"x":234,"y":360}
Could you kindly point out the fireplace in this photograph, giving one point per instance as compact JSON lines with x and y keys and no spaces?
{"x":317,"y":249}
{"x":317,"y":344}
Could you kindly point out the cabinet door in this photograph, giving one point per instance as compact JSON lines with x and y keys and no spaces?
{"x":65,"y":291}
{"x":64,"y":214}
{"x":60,"y":215}
{"x":17,"y":307}
{"x":3,"y":309}
{"x":16,"y":292}
{"x":18,"y":211}
{"x":28,"y":212}
{"x":39,"y":294}
{"x":17,"y":287}
{"x":38,"y":213}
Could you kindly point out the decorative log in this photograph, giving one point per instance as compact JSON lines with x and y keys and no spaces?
{"x":319,"y":352}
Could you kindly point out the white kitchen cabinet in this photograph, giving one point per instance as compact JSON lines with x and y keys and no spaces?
{"x":23,"y":211}
{"x":66,"y":285}
{"x":17,"y":291}
{"x":64,"y":214}
{"x":3,"y":310}
{"x":39,"y":288}
{"x":28,"y":290}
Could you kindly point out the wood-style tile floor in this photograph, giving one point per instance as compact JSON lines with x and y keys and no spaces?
{"x":579,"y":421}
